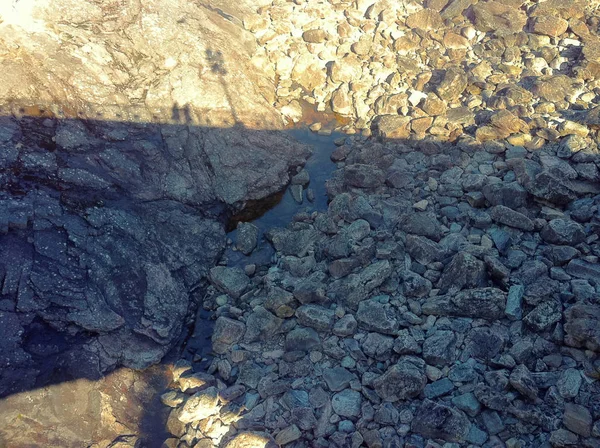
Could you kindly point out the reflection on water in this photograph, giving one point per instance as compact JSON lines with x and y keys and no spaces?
{"x":278,"y":210}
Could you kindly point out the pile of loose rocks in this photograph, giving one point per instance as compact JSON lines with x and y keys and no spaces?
{"x":436,"y":67}
{"x":449,"y":296}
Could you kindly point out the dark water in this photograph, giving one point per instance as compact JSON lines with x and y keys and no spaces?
{"x":278,"y":211}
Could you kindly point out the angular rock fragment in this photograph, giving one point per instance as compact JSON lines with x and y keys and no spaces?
{"x":438,"y":421}
{"x":485,"y":303}
{"x":405,"y":379}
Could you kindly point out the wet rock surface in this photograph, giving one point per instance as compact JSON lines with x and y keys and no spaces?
{"x":445,"y":292}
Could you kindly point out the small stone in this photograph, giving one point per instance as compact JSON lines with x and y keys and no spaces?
{"x":562,"y":437}
{"x":247,"y":237}
{"x":438,"y":421}
{"x":513,"y":302}
{"x":302,"y":339}
{"x":315,"y":316}
{"x":232,"y":281}
{"x":511,"y":218}
{"x":521,"y":379}
{"x":315,"y":36}
{"x":288,"y":435}
{"x":347,"y":403}
{"x":405,"y":379}
{"x":338,"y":378}
{"x":438,"y":388}
{"x":297,"y":193}
{"x":549,"y":25}
{"x":578,"y":419}
{"x":421,"y":205}
{"x":199,"y":406}
{"x":563,"y":231}
{"x":467,"y":403}
{"x":226,"y":332}
{"x":439,"y":348}
{"x":569,"y":383}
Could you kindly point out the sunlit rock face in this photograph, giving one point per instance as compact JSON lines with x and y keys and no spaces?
{"x":135,"y":60}
{"x":118,"y":408}
{"x":128,"y":130}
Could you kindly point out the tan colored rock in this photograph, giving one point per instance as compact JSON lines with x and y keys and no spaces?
{"x":314,"y":36}
{"x":341,"y":101}
{"x":425,"y":19}
{"x":346,"y":69}
{"x":363,"y":46}
{"x":288,"y":435}
{"x":433,"y":105}
{"x":308,"y":72}
{"x":549,"y":25}
{"x":436,"y":5}
{"x":498,"y":17}
{"x":251,"y":440}
{"x":386,"y":105}
{"x":81,"y":412}
{"x":554,"y":88}
{"x":502,"y":124}
{"x":163,"y":63}
{"x":391,"y":126}
{"x":421,"y":125}
{"x":455,"y":41}
{"x":571,"y":9}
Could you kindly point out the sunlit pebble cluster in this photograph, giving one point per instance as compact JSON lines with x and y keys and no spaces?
{"x":364,"y":59}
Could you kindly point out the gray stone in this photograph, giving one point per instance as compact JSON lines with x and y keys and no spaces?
{"x":464,"y":271}
{"x":582,"y":326}
{"x":438,"y":388}
{"x":405,"y":379}
{"x":493,"y":422}
{"x":422,"y":224}
{"x":584,"y":270}
{"x":376,"y":316}
{"x":569,"y":383}
{"x":377,"y":346}
{"x":347,"y":403}
{"x":338,"y":378}
{"x":246,"y":237}
{"x":424,"y":250}
{"x":303,"y":339}
{"x":226,"y":332}
{"x":521,"y":380}
{"x":232,"y":281}
{"x":561,"y":437}
{"x":405,"y":344}
{"x":467,"y":403}
{"x":511,"y":218}
{"x":543,"y":316}
{"x":476,"y":436}
{"x":261,"y":325}
{"x":578,"y":419}
{"x":315,"y":316}
{"x":414,"y":285}
{"x":345,"y":326}
{"x":363,"y":176}
{"x":438,"y":421}
{"x":439,"y":348}
{"x":513,"y":302}
{"x":486,"y":303}
{"x":563,"y":231}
